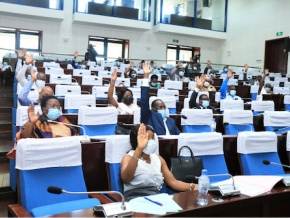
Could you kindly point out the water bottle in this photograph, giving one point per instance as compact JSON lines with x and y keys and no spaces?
{"x":203,"y":185}
{"x":213,"y":125}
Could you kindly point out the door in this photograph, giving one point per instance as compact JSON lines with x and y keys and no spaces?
{"x":275,"y":58}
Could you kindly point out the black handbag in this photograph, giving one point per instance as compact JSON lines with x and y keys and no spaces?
{"x":186,"y":169}
{"x":119,"y":130}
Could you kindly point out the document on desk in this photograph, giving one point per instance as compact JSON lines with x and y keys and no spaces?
{"x":141,"y":205}
{"x":253,"y":185}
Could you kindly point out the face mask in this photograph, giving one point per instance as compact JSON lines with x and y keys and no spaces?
{"x":233,"y":92}
{"x":153,"y":84}
{"x":226,"y":69}
{"x":5,"y":64}
{"x":161,"y":71}
{"x":133,"y":76}
{"x":205,"y":103}
{"x":163,"y":113}
{"x":83,"y":66}
{"x":267,"y":89}
{"x":194,"y":68}
{"x":128,"y":100}
{"x":211,"y":75}
{"x":151,"y":147}
{"x":53,"y":114}
{"x":28,"y":77}
{"x":181,"y":73}
{"x":40,"y":83}
{"x":206,"y":84}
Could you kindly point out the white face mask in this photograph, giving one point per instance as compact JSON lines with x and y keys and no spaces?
{"x":83,"y":66}
{"x":40,"y":83}
{"x":267,"y":89}
{"x":206,"y":84}
{"x":151,"y":147}
{"x":194,"y":68}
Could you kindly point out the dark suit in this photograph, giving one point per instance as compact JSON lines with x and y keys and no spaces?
{"x":153,"y":118}
{"x":193,"y":104}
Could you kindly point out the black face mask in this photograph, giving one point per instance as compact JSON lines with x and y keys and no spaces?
{"x":128,"y":100}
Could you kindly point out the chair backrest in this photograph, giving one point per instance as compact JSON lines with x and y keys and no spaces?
{"x":53,"y":70}
{"x":263,"y":106}
{"x":231,"y":104}
{"x":105,"y":74}
{"x":22,"y":114}
{"x":39,"y":168}
{"x":198,"y":120}
{"x":186,"y":103}
{"x":208,"y":146}
{"x":190,"y":84}
{"x":274,"y":74}
{"x":287,"y":84}
{"x":76,"y":101}
{"x":232,"y":82}
{"x":98,"y":120}
{"x":91,"y":63}
{"x":168,"y":93}
{"x":81,"y":72}
{"x":114,"y":154}
{"x":125,"y":81}
{"x":281,"y":90}
{"x":136,"y":92}
{"x":276,"y":121}
{"x":139,"y":83}
{"x":170,"y":102}
{"x":254,"y":89}
{"x":92,"y":80}
{"x":287,"y":99}
{"x":238,"y":121}
{"x":254,"y":147}
{"x":101,"y":91}
{"x":62,"y":90}
{"x":168,"y":84}
{"x":96,"y":68}
{"x":60,"y":79}
{"x":51,"y":64}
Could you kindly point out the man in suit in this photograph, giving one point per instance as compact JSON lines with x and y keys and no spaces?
{"x":156,"y":117}
{"x":203,"y":99}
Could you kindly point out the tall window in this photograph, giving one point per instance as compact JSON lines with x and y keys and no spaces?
{"x":14,"y":39}
{"x":110,"y":49}
{"x":51,"y":4}
{"x":178,"y":52}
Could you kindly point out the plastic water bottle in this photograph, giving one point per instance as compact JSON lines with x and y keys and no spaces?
{"x":213,"y":125}
{"x":203,"y":185}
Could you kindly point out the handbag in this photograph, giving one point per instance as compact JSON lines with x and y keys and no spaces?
{"x":119,"y":130}
{"x":186,"y":169}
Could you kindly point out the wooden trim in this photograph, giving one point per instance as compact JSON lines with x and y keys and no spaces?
{"x":17,"y":210}
{"x":240,"y":163}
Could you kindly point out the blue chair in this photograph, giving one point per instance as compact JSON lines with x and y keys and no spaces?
{"x":277,"y":121}
{"x":254,"y":96}
{"x":37,"y":172}
{"x":169,"y":101}
{"x":197,"y":121}
{"x":209,"y":147}
{"x":98,"y":121}
{"x":253,"y":148}
{"x":236,"y":121}
{"x":72,"y":103}
{"x":287,"y":102}
{"x":259,"y":107}
{"x":254,"y":92}
{"x":62,"y":90}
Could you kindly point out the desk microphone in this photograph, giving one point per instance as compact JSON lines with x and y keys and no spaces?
{"x":283,"y":133}
{"x":82,"y":138}
{"x":245,"y":124}
{"x":266,"y":162}
{"x":181,"y":115}
{"x":108,"y":210}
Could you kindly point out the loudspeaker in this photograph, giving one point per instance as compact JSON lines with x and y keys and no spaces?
{"x":287,"y":45}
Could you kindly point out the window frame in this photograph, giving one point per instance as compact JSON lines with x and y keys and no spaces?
{"x":178,"y":48}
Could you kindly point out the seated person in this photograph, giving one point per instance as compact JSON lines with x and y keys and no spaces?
{"x":207,"y":85}
{"x":156,"y":117}
{"x":203,"y":99}
{"x":76,"y":66}
{"x":36,"y":127}
{"x":125,"y":97}
{"x":23,"y":95}
{"x":162,"y":70}
{"x":6,"y":72}
{"x":130,"y":73}
{"x":208,"y":68}
{"x":225,"y":70}
{"x":263,"y":90}
{"x":177,"y":73}
{"x":229,"y":93}
{"x":142,"y":171}
{"x":154,"y":84}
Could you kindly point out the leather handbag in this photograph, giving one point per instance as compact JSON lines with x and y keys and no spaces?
{"x":186,"y":169}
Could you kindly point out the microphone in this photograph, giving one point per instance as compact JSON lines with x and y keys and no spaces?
{"x":110,"y":210}
{"x":181,"y":115}
{"x":226,"y":123}
{"x":83,"y":138}
{"x":267,"y":162}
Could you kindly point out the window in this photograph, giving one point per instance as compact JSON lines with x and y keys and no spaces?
{"x":110,"y":49}
{"x":184,"y":53}
{"x":14,"y":39}
{"x":51,"y":4}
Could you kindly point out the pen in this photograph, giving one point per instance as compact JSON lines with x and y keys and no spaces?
{"x":155,"y":202}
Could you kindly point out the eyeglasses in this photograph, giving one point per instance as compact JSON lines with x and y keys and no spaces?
{"x":54,"y":107}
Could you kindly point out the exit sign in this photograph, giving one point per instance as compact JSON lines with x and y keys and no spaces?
{"x":279,"y":33}
{"x":175,"y":40}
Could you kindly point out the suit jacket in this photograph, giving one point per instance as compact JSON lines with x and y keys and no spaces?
{"x":193,"y":104}
{"x":153,"y":118}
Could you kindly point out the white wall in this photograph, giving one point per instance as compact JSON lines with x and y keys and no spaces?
{"x":54,"y":33}
{"x":250,"y":24}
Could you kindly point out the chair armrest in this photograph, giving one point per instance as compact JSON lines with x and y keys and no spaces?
{"x":17,"y":210}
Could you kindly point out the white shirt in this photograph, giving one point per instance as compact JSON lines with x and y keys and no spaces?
{"x":124,"y":109}
{"x":260,"y":97}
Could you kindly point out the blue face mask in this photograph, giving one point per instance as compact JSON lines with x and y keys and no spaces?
{"x":181,"y":73}
{"x":53,"y":114}
{"x":153,"y":84}
{"x":163,"y":113}
{"x":205,"y":104}
{"x":161,"y":71}
{"x":5,"y":64}
{"x":151,"y":147}
{"x":233,"y":92}
{"x":28,"y":77}
{"x":133,"y":76}
{"x":226,"y":69}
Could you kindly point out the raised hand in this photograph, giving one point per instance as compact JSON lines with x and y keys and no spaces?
{"x":22,"y":53}
{"x":200,"y":81}
{"x":29,"y":59}
{"x":230,"y":73}
{"x":142,"y":138}
{"x":131,"y":64}
{"x":76,"y":54}
{"x":179,"y":63}
{"x":114,"y":75}
{"x":246,"y":67}
{"x":147,"y":69}
{"x":33,"y":77}
{"x":267,"y":72}
{"x":33,"y":118}
{"x":154,"y":65}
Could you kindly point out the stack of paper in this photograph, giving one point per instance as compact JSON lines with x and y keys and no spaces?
{"x":253,"y":185}
{"x":141,"y":205}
